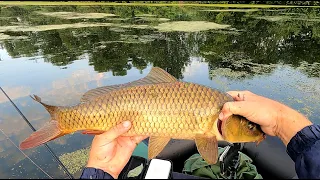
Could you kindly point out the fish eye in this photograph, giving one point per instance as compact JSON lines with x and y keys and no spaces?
{"x":251,"y":126}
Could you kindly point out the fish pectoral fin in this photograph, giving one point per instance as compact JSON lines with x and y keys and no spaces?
{"x":208,"y":148}
{"x":156,"y":75}
{"x":156,"y":145}
{"x":49,"y":131}
{"x":92,"y":132}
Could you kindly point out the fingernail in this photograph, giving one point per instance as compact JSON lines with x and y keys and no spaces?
{"x":126,"y":124}
{"x":221,"y":116}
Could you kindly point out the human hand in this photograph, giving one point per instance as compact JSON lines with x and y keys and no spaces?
{"x":275,"y":119}
{"x":110,"y":151}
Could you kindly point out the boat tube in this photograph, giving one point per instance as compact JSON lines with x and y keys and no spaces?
{"x":269,"y":157}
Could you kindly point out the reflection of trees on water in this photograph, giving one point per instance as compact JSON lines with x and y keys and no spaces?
{"x":261,"y":44}
{"x":261,"y":41}
{"x":253,"y":51}
{"x":112,"y":58}
{"x":171,"y":54}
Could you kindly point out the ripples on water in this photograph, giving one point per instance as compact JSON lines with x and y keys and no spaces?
{"x":61,"y":52}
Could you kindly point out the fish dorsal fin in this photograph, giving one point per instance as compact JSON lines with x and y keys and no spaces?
{"x":155,"y":76}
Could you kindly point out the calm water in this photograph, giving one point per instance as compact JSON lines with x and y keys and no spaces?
{"x":59,"y":56}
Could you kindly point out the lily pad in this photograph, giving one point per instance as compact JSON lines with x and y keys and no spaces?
{"x":189,"y":26}
{"x":75,"y":15}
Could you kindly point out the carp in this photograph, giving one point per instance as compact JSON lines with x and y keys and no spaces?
{"x":158,"y":106}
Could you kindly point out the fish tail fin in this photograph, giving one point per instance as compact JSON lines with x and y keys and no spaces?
{"x":46,"y":133}
{"x":51,"y":109}
{"x":51,"y":130}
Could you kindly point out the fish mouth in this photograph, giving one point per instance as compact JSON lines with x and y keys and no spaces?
{"x":219,"y":126}
{"x":264,"y":136}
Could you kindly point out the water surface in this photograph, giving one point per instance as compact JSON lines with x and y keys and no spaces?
{"x":60,"y":52}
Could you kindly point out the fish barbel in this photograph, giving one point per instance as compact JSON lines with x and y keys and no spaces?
{"x":158,"y":106}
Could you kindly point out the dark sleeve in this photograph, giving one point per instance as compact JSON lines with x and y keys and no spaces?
{"x":93,"y":173}
{"x":304,"y":150}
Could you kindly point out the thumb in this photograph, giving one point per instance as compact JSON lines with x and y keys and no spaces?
{"x":115,"y":131}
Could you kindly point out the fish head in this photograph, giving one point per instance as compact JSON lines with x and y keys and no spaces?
{"x":238,"y":129}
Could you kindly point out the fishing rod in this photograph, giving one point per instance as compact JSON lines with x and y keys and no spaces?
{"x":30,"y":125}
{"x":25,"y":154}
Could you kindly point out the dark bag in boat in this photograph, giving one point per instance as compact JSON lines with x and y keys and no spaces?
{"x":137,"y":168}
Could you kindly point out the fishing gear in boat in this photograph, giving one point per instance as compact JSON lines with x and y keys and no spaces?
{"x":30,"y":125}
{"x":229,"y":160}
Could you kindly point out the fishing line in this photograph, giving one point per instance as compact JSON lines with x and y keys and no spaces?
{"x":25,"y":154}
{"x":45,"y":144}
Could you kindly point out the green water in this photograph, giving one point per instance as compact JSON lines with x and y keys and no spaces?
{"x":60,"y":52}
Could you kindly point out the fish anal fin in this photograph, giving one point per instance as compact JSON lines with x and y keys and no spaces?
{"x":92,"y":132}
{"x":46,"y":133}
{"x":156,"y":145}
{"x":155,"y":76}
{"x":208,"y":148}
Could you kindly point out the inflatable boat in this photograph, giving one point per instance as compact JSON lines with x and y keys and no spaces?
{"x":269,"y":157}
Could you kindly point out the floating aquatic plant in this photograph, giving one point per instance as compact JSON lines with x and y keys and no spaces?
{"x":230,"y":10}
{"x":145,"y":15}
{"x":189,"y":26}
{"x":153,"y":19}
{"x":8,"y":37}
{"x":66,"y":26}
{"x":76,"y":15}
{"x":286,"y":18}
{"x":273,"y":18}
{"x":239,"y":66}
{"x":312,"y":70}
{"x":76,"y":160}
{"x":50,"y":27}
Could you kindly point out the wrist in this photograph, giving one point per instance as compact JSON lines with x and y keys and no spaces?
{"x":94,"y":173}
{"x":105,"y":169}
{"x":289,"y":123}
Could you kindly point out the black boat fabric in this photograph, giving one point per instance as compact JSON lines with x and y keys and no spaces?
{"x":270,"y":156}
